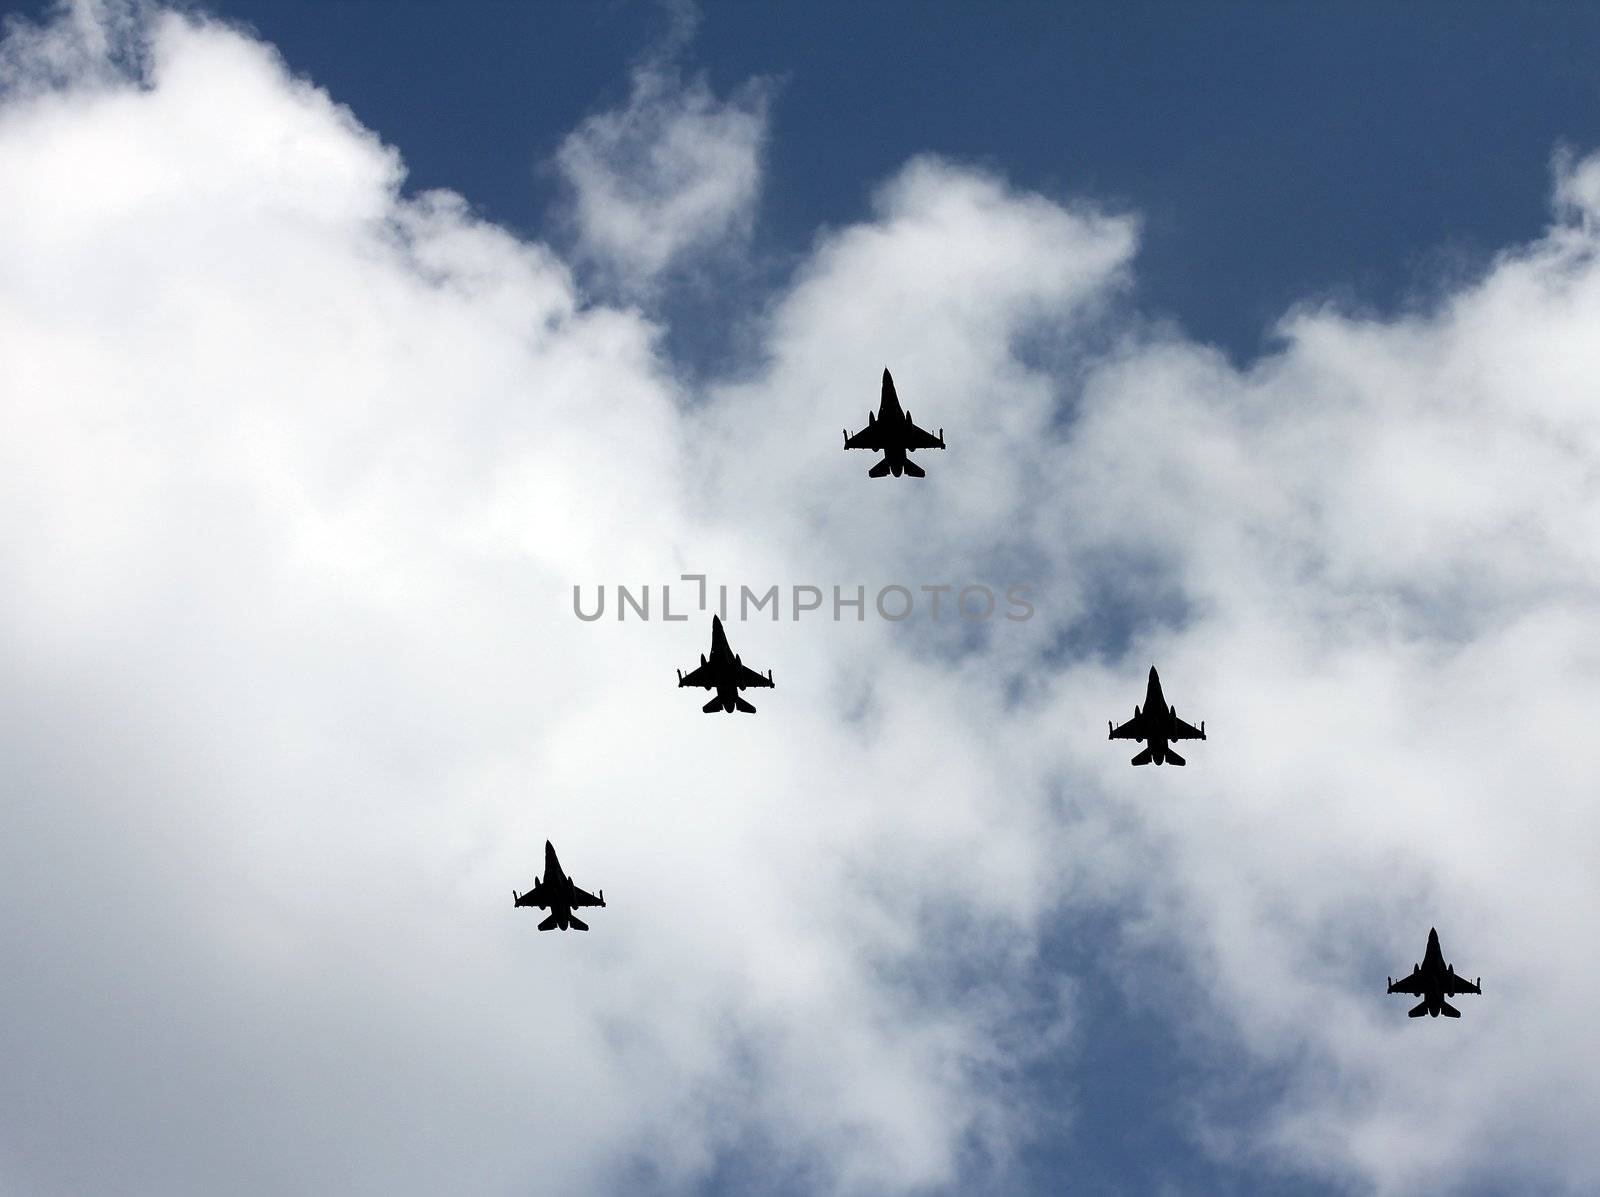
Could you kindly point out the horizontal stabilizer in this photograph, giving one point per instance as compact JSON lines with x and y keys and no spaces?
{"x":1174,"y":759}
{"x":550,"y":923}
{"x":1448,"y":1010}
{"x":714,"y":705}
{"x":1143,"y":758}
{"x":880,"y":470}
{"x":742,"y":705}
{"x":1418,"y":1010}
{"x":576,"y":923}
{"x":913,"y":470}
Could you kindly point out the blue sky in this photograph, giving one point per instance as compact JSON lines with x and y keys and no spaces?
{"x":1275,"y":152}
{"x":305,"y":464}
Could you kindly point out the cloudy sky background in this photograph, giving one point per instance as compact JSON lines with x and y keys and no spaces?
{"x":302,"y":461}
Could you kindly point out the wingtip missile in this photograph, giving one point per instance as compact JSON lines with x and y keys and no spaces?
{"x":941,"y":438}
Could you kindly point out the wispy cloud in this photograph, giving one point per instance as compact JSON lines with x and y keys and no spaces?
{"x":674,"y":171}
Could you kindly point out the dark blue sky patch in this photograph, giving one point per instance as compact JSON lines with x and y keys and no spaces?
{"x":1131,"y":1082}
{"x":1128,"y":595}
{"x":1274,"y":152}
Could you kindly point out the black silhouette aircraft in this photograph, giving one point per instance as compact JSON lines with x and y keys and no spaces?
{"x":893,"y":433}
{"x":725,"y":673}
{"x":1433,"y":980}
{"x":1157,"y":724}
{"x":557,"y":892}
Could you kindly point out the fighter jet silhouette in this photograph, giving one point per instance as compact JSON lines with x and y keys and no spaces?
{"x":557,"y":892}
{"x":892,"y":433}
{"x":1157,"y":724}
{"x":1433,"y":980}
{"x":725,"y":673}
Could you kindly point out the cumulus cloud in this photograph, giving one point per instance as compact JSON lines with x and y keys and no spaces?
{"x":298,"y":478}
{"x":1385,"y":538}
{"x":673,"y":171}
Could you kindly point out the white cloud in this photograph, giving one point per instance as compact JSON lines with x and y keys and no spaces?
{"x":1386,"y":537}
{"x":298,"y":476}
{"x":297,"y":480}
{"x":674,"y":171}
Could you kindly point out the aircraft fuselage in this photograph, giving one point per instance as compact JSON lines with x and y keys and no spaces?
{"x":892,"y":423}
{"x":1433,"y":975}
{"x":1157,"y":720}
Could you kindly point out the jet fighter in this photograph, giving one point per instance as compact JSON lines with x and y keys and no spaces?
{"x":1433,"y":980}
{"x":1157,"y":725}
{"x":893,"y":433}
{"x":557,"y":892}
{"x":725,"y":673}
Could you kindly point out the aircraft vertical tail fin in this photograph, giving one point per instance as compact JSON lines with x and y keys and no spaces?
{"x":1448,"y":1010}
{"x":1143,"y":758}
{"x":1418,"y":1010}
